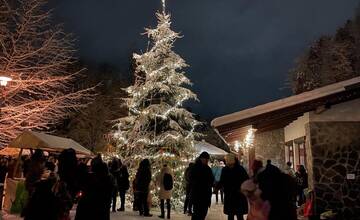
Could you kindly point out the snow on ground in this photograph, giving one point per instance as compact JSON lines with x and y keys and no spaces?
{"x":215,"y":213}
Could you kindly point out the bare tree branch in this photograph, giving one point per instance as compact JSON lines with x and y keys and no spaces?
{"x":37,"y":56}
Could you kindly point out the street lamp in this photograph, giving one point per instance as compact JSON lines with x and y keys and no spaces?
{"x":4,"y":80}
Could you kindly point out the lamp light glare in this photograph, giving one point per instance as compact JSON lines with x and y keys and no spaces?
{"x":4,"y":80}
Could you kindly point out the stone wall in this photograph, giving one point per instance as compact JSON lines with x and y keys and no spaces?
{"x":271,"y":145}
{"x":335,"y":152}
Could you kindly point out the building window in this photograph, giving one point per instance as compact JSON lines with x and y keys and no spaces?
{"x":299,"y":152}
{"x":289,"y":153}
{"x":295,"y":152}
{"x":302,"y":153}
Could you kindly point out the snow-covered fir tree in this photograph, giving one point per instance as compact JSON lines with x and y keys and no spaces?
{"x":158,"y":127}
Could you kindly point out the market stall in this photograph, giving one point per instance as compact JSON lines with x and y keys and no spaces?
{"x":50,"y":143}
{"x":24,"y":144}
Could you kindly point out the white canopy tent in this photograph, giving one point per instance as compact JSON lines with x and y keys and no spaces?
{"x":24,"y":144}
{"x":46,"y":142}
{"x":201,"y":146}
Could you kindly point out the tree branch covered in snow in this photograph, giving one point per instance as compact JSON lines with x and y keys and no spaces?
{"x":329,"y":60}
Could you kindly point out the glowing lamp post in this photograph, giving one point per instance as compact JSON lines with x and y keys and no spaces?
{"x":3,"y":83}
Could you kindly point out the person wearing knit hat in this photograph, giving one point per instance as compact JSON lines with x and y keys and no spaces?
{"x":202,"y":180}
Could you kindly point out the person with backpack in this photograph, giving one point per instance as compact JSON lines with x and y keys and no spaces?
{"x":165,"y":182}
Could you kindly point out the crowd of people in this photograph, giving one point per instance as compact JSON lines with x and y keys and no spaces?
{"x":265,"y":193}
{"x":55,"y":183}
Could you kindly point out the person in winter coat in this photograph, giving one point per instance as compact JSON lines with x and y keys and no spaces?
{"x":202,"y":181}
{"x":36,"y":170}
{"x":188,"y":202}
{"x":165,"y":182}
{"x":43,"y":204}
{"x":232,"y":176}
{"x":216,"y":170}
{"x":256,"y":167}
{"x":259,"y":209}
{"x":142,"y":183}
{"x":67,"y":170}
{"x":115,"y":172}
{"x":279,"y":189}
{"x":49,"y":201}
{"x":95,"y":201}
{"x":123,"y":184}
{"x":289,"y":170}
{"x":301,"y":183}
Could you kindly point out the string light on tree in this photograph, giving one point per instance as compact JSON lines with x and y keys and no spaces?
{"x":157,"y":126}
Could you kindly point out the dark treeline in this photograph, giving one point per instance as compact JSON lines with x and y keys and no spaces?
{"x":330,"y":59}
{"x":92,"y":124}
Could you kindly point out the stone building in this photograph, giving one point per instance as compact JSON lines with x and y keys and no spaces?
{"x":319,"y":129}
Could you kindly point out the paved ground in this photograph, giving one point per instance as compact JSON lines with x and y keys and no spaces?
{"x":215,"y":213}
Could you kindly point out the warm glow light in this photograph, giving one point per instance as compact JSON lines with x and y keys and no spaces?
{"x":237,"y":146}
{"x":247,"y":142}
{"x":4,"y":80}
{"x":249,"y":139}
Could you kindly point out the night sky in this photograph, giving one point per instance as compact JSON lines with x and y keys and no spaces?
{"x":239,"y":51}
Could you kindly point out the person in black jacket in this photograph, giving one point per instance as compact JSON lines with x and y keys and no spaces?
{"x":67,"y":170}
{"x":301,"y":183}
{"x":279,"y":189}
{"x":115,"y":172}
{"x":188,"y":202}
{"x":122,"y":183}
{"x":43,"y":204}
{"x":97,"y":191}
{"x":202,"y":181}
{"x":232,"y":176}
{"x":142,"y":182}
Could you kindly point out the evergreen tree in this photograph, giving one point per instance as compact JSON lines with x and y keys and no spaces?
{"x":329,"y":60}
{"x":158,"y":127}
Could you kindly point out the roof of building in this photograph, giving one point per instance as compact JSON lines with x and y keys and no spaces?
{"x":201,"y":146}
{"x":211,"y":136}
{"x":293,"y":106}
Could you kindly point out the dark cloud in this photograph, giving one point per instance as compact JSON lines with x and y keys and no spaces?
{"x":240,"y":51}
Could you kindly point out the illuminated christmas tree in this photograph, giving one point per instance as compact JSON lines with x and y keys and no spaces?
{"x":158,"y":127}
